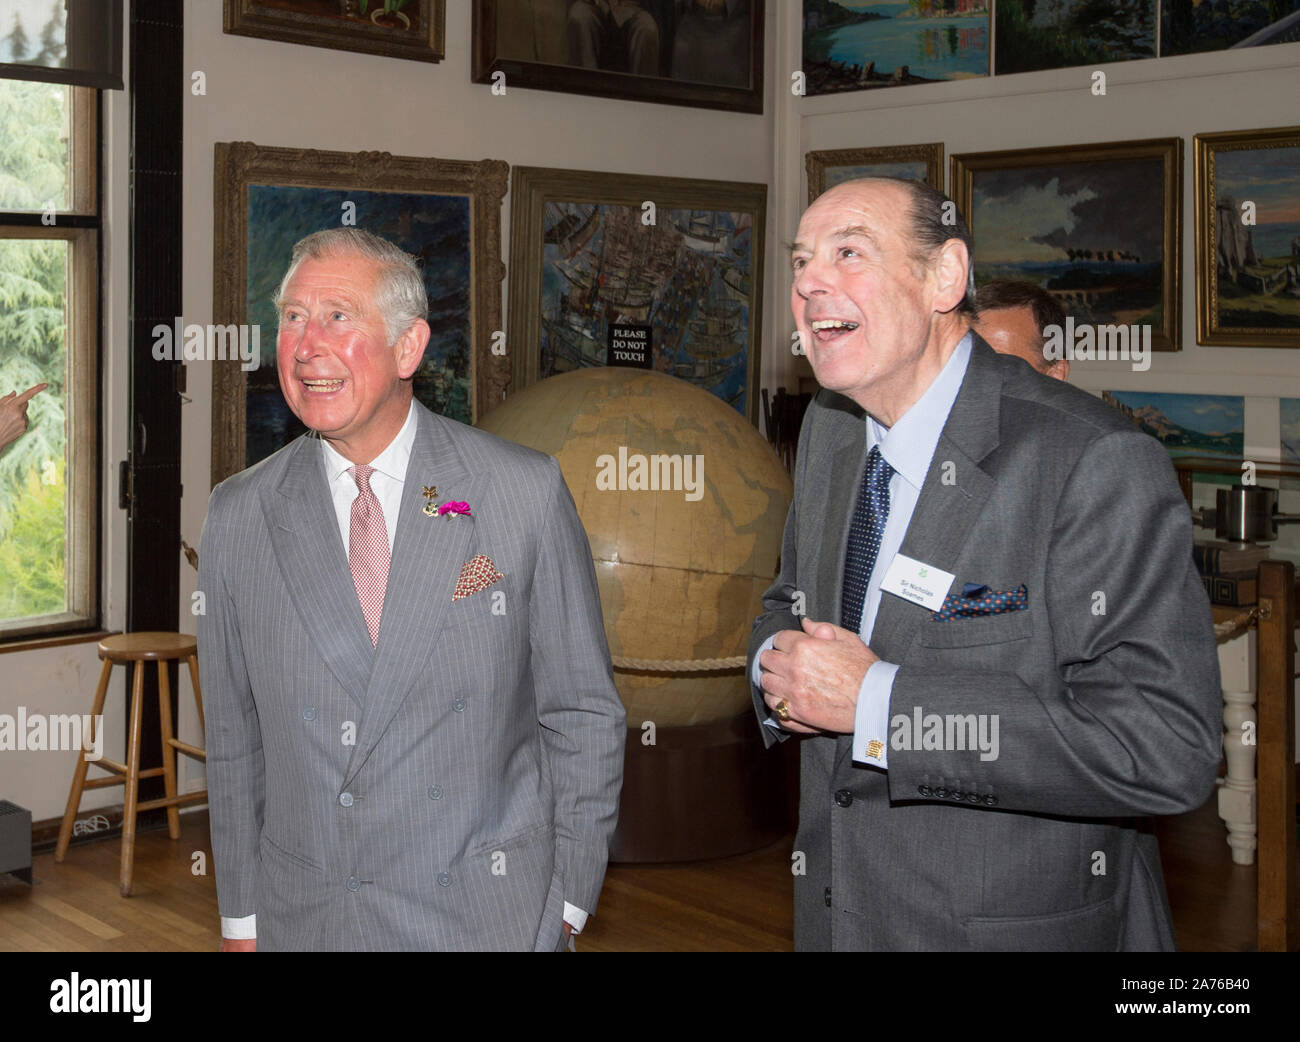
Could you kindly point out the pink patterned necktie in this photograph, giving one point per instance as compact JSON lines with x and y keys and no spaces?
{"x":368,"y":553}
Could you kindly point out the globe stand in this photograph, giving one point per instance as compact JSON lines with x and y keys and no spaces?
{"x":704,"y":791}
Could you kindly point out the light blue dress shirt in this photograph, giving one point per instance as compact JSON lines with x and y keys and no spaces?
{"x":908,"y":447}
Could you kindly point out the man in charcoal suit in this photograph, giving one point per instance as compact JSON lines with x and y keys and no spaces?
{"x":987,"y":630}
{"x":414,"y":740}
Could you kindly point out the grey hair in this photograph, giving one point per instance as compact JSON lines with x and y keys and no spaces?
{"x":934,"y":220}
{"x":399,"y":287}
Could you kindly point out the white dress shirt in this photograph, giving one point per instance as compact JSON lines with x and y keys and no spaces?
{"x":386,"y":482}
{"x":908,"y":447}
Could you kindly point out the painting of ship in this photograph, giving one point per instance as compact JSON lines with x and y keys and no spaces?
{"x":685,"y":275}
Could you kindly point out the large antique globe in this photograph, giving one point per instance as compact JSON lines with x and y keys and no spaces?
{"x":681,"y":570}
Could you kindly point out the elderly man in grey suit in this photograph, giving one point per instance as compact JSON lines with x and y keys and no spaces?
{"x":414,"y":740}
{"x":987,"y":628}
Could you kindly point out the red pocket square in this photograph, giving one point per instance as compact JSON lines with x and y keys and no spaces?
{"x":477,"y":574}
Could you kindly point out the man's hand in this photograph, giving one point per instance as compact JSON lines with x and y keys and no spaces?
{"x":231,"y":944}
{"x":13,"y":414}
{"x":818,"y":673}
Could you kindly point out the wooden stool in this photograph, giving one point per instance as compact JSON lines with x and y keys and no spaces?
{"x":139,"y":648}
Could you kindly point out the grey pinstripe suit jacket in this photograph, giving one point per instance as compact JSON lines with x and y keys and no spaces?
{"x":448,"y":790}
{"x":1105,"y":716}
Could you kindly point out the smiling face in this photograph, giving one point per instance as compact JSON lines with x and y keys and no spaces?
{"x":337,"y":370}
{"x":877,"y":325}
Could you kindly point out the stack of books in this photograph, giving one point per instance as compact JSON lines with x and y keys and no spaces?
{"x":1228,"y":571}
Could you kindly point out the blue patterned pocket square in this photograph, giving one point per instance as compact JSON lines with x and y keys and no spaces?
{"x":976,"y":600}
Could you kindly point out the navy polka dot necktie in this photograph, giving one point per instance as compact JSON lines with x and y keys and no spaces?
{"x":868,"y":525}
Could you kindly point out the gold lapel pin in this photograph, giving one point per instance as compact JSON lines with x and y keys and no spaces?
{"x":430,"y":508}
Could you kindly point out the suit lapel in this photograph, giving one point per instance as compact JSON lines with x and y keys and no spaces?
{"x":944,"y":513}
{"x":428,"y":553}
{"x":846,"y":475}
{"x":314,"y":563}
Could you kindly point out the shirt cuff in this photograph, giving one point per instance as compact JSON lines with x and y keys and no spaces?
{"x":243,"y":928}
{"x":575,"y":917}
{"x":871,"y":719}
{"x":755,"y":670}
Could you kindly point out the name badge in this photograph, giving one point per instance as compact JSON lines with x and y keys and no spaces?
{"x":917,"y":582}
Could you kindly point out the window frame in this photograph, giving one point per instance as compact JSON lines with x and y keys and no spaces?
{"x":80,"y":225}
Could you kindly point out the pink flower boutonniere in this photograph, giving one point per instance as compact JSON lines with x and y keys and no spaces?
{"x":454,"y":508}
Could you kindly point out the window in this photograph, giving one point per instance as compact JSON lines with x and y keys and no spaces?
{"x":49,"y":333}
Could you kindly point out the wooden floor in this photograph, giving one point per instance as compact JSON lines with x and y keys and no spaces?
{"x":740,"y":904}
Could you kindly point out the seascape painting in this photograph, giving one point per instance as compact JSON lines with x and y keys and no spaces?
{"x":1089,"y":233}
{"x":1187,"y":424}
{"x":1195,"y":26}
{"x":1289,"y":417}
{"x":890,"y":43}
{"x":686,"y":277}
{"x":434,"y":228}
{"x":1057,"y":34}
{"x":1257,"y":247}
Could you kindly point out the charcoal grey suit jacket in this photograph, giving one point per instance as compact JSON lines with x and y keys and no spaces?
{"x":1106,"y":688}
{"x":448,"y":790}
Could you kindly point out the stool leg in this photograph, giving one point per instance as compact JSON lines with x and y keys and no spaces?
{"x":132,"y":779}
{"x":168,"y":751}
{"x":198,"y":694}
{"x":79,"y":773}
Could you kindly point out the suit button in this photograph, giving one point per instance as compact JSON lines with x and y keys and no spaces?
{"x":354,"y":884}
{"x":925,"y":791}
{"x":346,"y":799}
{"x":309,"y":713}
{"x":844,"y":798}
{"x":459,"y":705}
{"x":972,"y":797}
{"x":828,"y":897}
{"x":435,"y":792}
{"x":444,"y":879}
{"x":957,"y":794}
{"x":941,"y":794}
{"x":991,"y":801}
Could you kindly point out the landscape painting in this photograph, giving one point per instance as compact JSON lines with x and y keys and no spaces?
{"x":687,"y":277}
{"x":1187,"y":424}
{"x":1096,"y":226}
{"x":891,"y":43}
{"x":1058,"y":34}
{"x":1194,"y":26}
{"x":830,"y":167}
{"x":1289,"y":417}
{"x":433,"y":228}
{"x":1248,"y":238}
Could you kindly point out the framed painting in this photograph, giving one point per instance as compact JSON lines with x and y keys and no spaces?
{"x":893,"y":43}
{"x":1097,"y":226}
{"x":447,"y":213}
{"x":1248,"y":238}
{"x":412,"y":29}
{"x":706,"y":53}
{"x":678,"y":264}
{"x":915,"y":162}
{"x":1058,"y":34}
{"x":1193,"y":26}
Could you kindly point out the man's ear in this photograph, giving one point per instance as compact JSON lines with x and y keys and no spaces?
{"x":951,"y":272}
{"x":410,"y":348}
